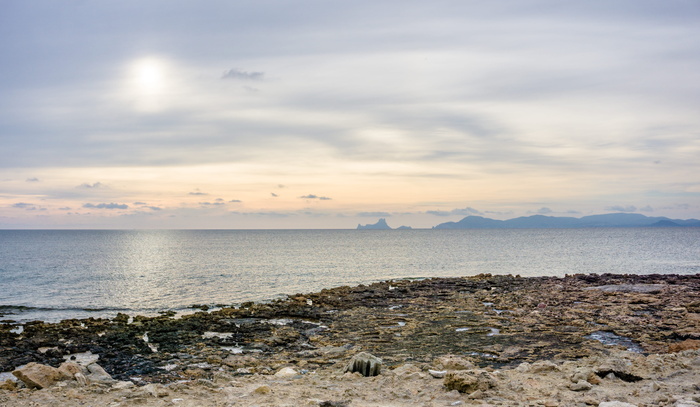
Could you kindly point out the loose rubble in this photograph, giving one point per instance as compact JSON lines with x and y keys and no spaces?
{"x":484,"y":340}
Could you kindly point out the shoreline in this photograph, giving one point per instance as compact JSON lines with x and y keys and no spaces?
{"x":490,"y":321}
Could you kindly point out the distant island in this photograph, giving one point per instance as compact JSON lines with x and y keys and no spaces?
{"x":380,"y":225}
{"x":610,"y":220}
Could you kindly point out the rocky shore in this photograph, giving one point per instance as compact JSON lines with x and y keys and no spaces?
{"x":600,"y":340}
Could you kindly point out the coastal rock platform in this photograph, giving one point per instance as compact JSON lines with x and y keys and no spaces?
{"x":482,"y":340}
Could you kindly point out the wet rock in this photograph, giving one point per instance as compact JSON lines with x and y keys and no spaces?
{"x":630,"y":288}
{"x":469,"y":381}
{"x":366,"y":364}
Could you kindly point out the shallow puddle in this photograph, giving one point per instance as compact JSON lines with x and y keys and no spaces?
{"x":609,"y":339}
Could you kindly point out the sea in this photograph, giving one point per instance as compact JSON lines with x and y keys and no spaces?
{"x":51,"y":275}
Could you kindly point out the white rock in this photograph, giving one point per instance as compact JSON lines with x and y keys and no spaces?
{"x":286,"y":372}
{"x":616,"y":404}
{"x":438,"y":374}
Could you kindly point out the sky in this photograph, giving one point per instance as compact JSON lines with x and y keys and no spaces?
{"x":325,"y":114}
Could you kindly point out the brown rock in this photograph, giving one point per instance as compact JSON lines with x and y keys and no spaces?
{"x":688,"y":344}
{"x":69,"y":369}
{"x":453,"y":362}
{"x":8,"y":385}
{"x":240,"y":361}
{"x":264,"y":389}
{"x":468,"y":381}
{"x":37,"y":376}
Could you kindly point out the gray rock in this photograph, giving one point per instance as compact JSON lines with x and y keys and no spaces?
{"x":365,"y":364}
{"x":98,"y":374}
{"x":580,"y":385}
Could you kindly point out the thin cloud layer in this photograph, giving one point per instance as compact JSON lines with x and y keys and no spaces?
{"x":512,"y":107}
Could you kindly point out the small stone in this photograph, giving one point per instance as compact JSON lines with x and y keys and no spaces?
{"x":98,"y":374}
{"x":264,"y":389}
{"x":38,"y":376}
{"x":453,"y":362}
{"x":478,"y":394}
{"x":214,"y":360}
{"x":69,"y":369}
{"x":121,"y":385}
{"x":652,"y":387}
{"x":287,"y":373}
{"x":364,"y":363}
{"x":438,"y":374}
{"x":616,"y":404}
{"x":8,"y":384}
{"x":581,"y":385}
{"x":154,"y":390}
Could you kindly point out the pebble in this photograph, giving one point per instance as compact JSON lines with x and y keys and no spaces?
{"x":581,"y":385}
{"x":264,"y":389}
{"x":438,"y":374}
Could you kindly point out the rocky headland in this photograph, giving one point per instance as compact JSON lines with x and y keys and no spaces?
{"x":600,"y":340}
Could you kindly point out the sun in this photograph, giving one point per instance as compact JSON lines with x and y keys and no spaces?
{"x":147,"y":84}
{"x":148,"y":76}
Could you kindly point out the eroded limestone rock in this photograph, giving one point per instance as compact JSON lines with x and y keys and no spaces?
{"x":364,"y":363}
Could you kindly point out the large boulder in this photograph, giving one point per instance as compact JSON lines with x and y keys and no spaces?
{"x":38,"y":376}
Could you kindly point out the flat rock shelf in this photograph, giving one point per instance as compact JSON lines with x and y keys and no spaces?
{"x":487,"y":322}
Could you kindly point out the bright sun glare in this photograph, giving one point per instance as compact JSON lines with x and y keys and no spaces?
{"x":148,"y":75}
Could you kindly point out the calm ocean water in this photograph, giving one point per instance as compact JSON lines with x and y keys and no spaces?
{"x":53,"y":275}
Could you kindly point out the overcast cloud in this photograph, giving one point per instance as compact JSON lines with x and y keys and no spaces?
{"x":411,"y":107}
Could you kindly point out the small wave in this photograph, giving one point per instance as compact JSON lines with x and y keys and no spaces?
{"x":24,"y":308}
